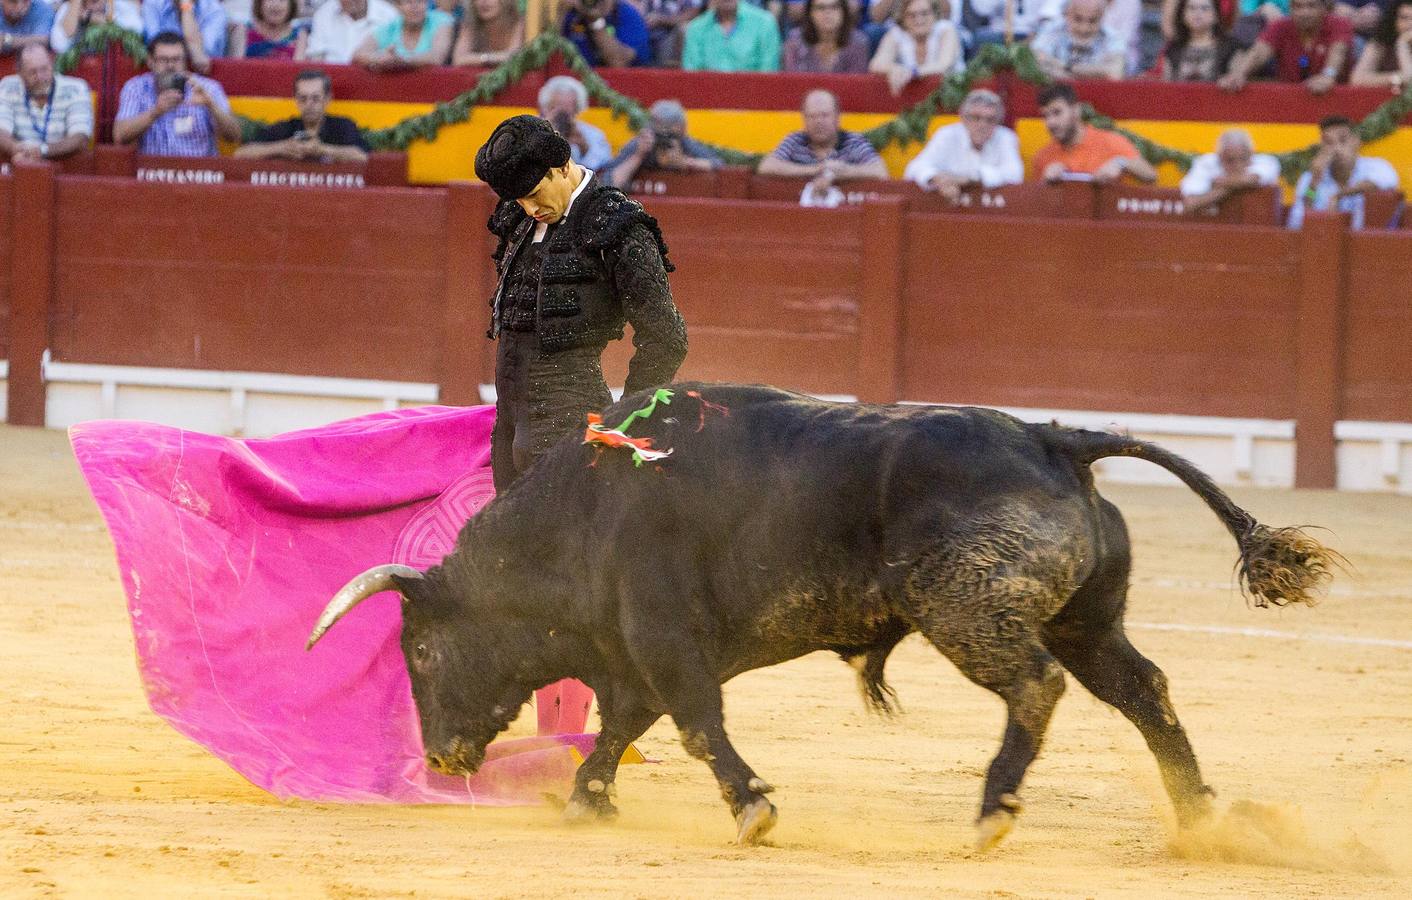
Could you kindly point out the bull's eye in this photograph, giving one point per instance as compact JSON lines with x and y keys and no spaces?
{"x":420,"y":653}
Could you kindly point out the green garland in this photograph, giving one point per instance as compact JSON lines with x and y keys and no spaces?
{"x":95,"y":39}
{"x":910,"y":125}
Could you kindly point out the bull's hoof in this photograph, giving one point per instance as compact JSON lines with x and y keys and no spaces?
{"x":596,"y":808}
{"x":755,"y":821}
{"x":992,"y":828}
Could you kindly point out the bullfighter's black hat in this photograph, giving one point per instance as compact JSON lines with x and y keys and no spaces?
{"x":519,"y":153}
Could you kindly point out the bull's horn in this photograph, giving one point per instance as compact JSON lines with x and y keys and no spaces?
{"x":374,"y":581}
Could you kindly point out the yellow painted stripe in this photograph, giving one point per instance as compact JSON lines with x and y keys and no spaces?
{"x":451,"y":156}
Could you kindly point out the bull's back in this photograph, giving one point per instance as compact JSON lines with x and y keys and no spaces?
{"x":774,"y":479}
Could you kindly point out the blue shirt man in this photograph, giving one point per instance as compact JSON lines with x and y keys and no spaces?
{"x":165,"y":15}
{"x":24,"y":22}
{"x":608,"y":33}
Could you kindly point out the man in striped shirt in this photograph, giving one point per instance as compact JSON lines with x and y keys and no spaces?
{"x":823,"y":151}
{"x":43,"y":115}
{"x":171,"y":111}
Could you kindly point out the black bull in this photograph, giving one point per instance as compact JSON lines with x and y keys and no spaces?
{"x":781,"y":525}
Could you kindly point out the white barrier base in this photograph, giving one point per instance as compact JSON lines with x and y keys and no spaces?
{"x":1371,"y":456}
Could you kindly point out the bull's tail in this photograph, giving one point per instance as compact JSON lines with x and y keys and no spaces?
{"x":1277,"y":566}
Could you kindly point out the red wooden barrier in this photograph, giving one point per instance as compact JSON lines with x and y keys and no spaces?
{"x":123,"y":161}
{"x":877,"y":300}
{"x":1099,"y":316}
{"x":1376,"y":363}
{"x":1137,"y":203}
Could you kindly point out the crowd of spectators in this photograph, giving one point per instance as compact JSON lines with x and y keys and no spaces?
{"x":1318,"y":43}
{"x":175,"y":109}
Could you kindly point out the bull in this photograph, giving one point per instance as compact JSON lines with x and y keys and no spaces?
{"x":781,"y":525}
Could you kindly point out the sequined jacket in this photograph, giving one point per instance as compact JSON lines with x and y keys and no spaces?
{"x":603,"y":266}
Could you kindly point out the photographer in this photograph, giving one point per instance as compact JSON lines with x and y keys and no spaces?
{"x":171,"y":111}
{"x":562,"y":100}
{"x":313,"y":135}
{"x":608,"y":33}
{"x":661,"y":146}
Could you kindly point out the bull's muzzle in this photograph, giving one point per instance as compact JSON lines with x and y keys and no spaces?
{"x":457,"y":758}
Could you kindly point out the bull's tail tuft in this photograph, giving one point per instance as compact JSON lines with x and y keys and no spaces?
{"x":1280,"y":566}
{"x":1277,"y":567}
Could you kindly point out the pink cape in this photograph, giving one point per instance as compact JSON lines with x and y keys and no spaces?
{"x":230,"y":549}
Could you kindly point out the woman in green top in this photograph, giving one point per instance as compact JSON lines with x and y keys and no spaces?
{"x":417,"y":37}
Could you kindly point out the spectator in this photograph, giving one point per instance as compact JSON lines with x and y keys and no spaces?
{"x":1082,"y":151}
{"x":1363,"y":15}
{"x":74,"y":17}
{"x":1235,"y":167}
{"x":418,"y":37}
{"x":732,"y":37}
{"x":887,"y":13}
{"x":43,"y":115}
{"x":1079,"y":46}
{"x":1387,"y":57}
{"x":827,"y":41}
{"x":491,"y":30}
{"x":339,"y":27}
{"x":562,"y":100}
{"x":988,"y":17}
{"x":1338,"y":177}
{"x":1199,"y":49}
{"x":666,"y":28}
{"x":1227,"y":12}
{"x":274,"y":32}
{"x":169,"y":111}
{"x":978,"y":150}
{"x":313,"y":135}
{"x":1121,"y":18}
{"x":1311,"y":46}
{"x":608,"y":32}
{"x":662,"y":146}
{"x":200,"y":23}
{"x":922,"y":42}
{"x":823,"y":152}
{"x":24,"y":22}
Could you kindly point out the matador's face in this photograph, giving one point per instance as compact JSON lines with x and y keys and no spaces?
{"x":550,"y":198}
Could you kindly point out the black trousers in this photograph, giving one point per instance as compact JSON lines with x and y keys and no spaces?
{"x":540,"y":397}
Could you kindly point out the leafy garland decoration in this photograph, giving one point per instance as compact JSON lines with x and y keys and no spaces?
{"x":95,"y":39}
{"x":910,"y":125}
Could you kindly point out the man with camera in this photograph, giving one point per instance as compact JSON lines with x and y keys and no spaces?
{"x":661,"y":146}
{"x":170,"y":111}
{"x":608,"y":33}
{"x":562,"y":100}
{"x":313,"y":135}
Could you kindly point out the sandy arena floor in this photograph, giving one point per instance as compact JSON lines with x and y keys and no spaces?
{"x":1311,"y":717}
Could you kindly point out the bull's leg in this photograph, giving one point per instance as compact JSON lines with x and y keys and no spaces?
{"x":1116,"y":673}
{"x":624,"y":721}
{"x":986,"y":625}
{"x":674,"y":668}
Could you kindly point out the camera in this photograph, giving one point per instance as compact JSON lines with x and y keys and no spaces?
{"x":171,"y":81}
{"x":665,"y":143}
{"x":563,"y":123}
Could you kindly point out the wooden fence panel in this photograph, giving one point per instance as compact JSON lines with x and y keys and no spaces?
{"x":241,"y":278}
{"x":1088,"y":315}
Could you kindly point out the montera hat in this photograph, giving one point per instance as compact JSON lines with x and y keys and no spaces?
{"x":519,"y":153}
